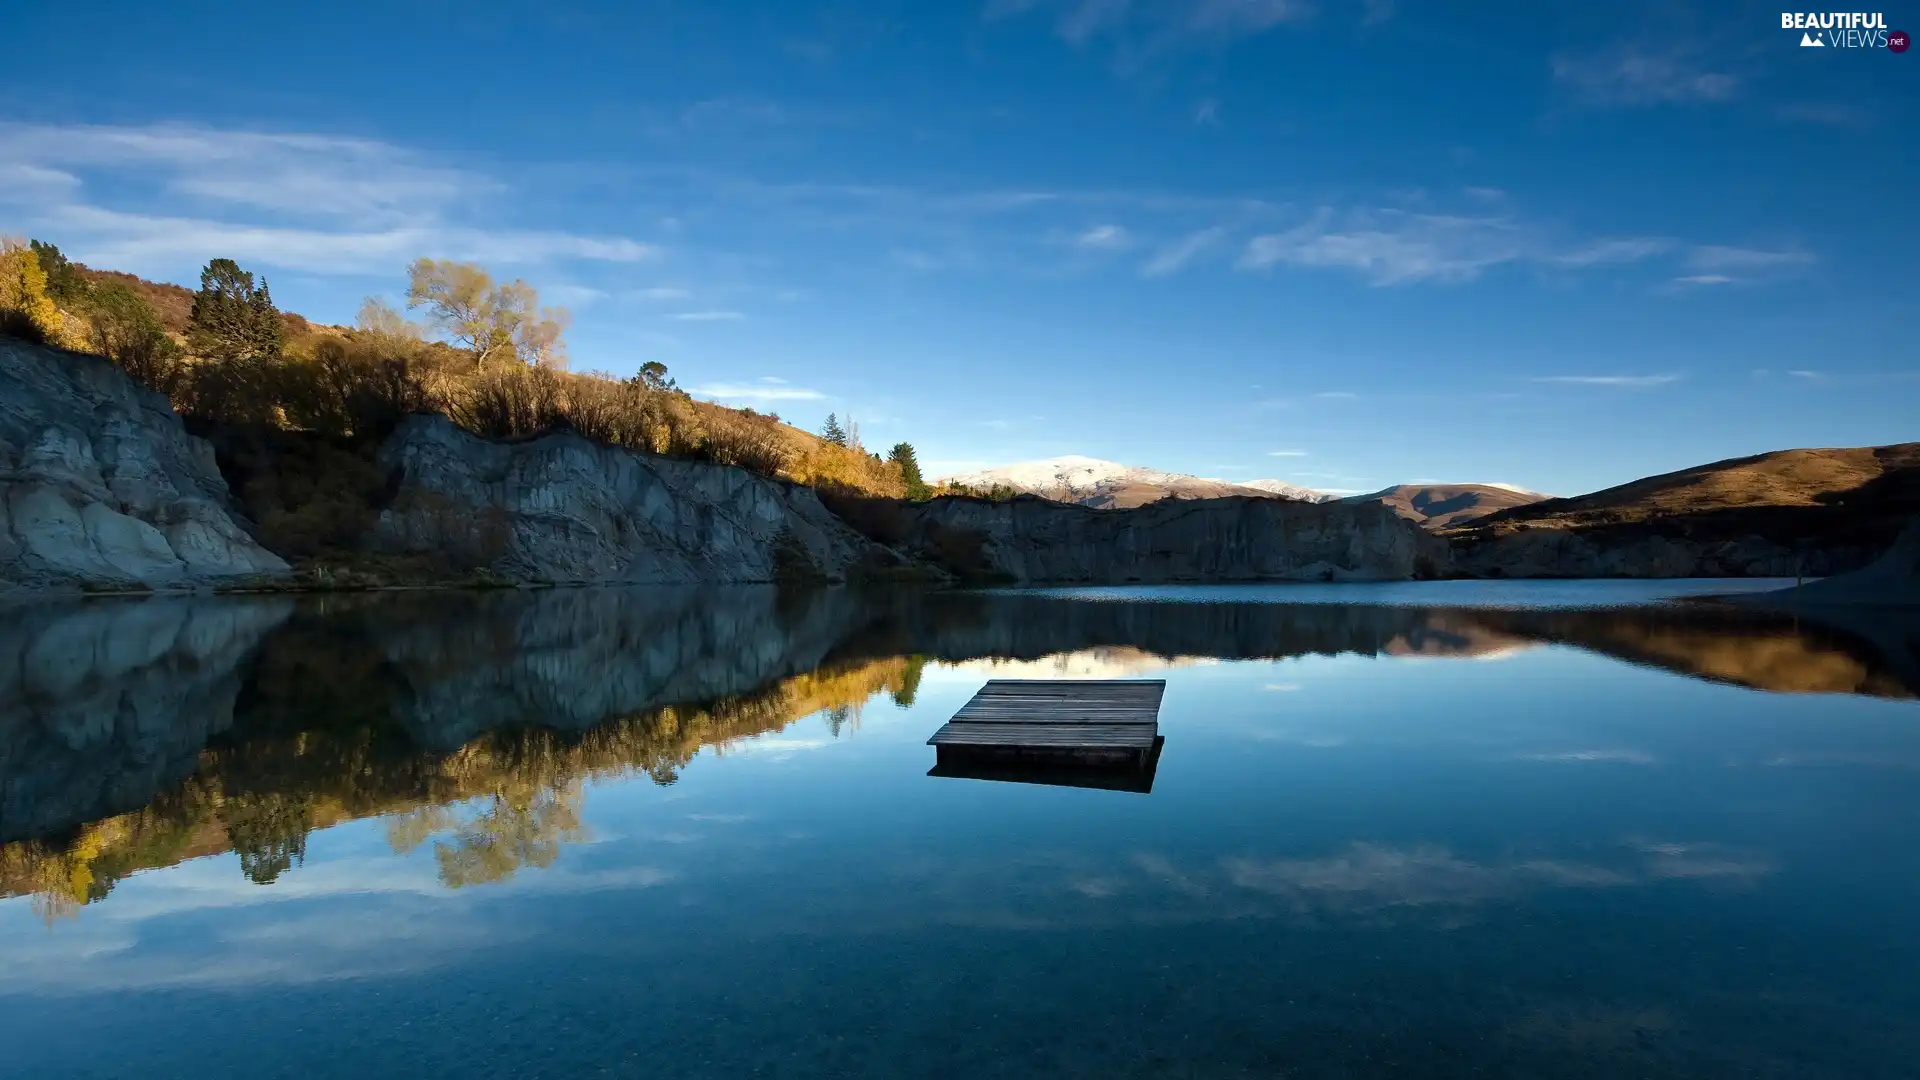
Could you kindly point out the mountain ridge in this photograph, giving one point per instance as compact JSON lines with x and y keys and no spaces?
{"x":1441,"y":506}
{"x":1102,"y":484}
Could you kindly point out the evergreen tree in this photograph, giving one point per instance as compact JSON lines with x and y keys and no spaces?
{"x":233,"y":319}
{"x":64,"y":283}
{"x":833,"y":432}
{"x":902,"y":455}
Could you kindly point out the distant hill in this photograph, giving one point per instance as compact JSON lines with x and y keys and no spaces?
{"x":1441,"y":506}
{"x":1824,"y":512}
{"x":1836,"y":484}
{"x":1111,"y":485}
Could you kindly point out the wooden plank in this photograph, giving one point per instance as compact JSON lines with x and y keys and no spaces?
{"x":1073,"y":717}
{"x":1038,"y":735}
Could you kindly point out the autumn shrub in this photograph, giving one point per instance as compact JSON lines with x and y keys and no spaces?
{"x":120,"y":326}
{"x":510,"y":402}
{"x":350,"y":388}
{"x":751,"y":442}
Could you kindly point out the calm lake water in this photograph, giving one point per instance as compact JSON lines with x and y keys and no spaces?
{"x":1457,"y":830}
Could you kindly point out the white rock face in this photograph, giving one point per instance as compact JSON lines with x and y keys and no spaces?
{"x":1109,"y":484}
{"x":100,"y":485}
{"x":561,"y":509}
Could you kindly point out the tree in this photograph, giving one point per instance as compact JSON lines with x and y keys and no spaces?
{"x":903,"y":456}
{"x":123,"y":328}
{"x":233,"y":320}
{"x":379,"y":318}
{"x":494,"y":322}
{"x":25,"y":308}
{"x":833,"y":432}
{"x":64,"y":283}
{"x":653,"y":376}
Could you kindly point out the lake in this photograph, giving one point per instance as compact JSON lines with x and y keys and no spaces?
{"x":1449,"y":829}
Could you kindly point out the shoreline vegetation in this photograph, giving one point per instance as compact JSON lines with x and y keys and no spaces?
{"x":295,"y":410}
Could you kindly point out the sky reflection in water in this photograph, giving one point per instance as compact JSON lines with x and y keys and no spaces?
{"x":1381,"y":842}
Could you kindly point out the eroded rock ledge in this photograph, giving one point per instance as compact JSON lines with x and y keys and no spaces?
{"x":101,"y":486}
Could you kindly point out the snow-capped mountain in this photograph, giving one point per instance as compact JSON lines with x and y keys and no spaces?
{"x":1288,"y":491}
{"x":1093,"y":482}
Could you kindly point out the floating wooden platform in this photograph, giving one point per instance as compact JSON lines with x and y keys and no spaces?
{"x":1072,"y":722}
{"x":1054,"y":774}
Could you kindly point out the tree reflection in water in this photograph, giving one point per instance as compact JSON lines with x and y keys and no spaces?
{"x":475,"y":722}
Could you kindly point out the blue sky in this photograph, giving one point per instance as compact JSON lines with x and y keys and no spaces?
{"x":1342,"y":242}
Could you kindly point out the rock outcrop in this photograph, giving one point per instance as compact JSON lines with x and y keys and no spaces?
{"x":101,"y":486}
{"x":1891,"y":581}
{"x":562,"y":509}
{"x":1033,"y":540}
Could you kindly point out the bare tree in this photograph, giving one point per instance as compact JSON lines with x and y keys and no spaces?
{"x":492,"y":320}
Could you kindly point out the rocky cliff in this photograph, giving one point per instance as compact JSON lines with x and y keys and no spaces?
{"x":1033,"y":540}
{"x":1891,"y":581}
{"x":561,"y":509}
{"x":1566,"y":553}
{"x":100,"y":485}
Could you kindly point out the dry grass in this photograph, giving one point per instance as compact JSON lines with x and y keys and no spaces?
{"x":1784,"y":478}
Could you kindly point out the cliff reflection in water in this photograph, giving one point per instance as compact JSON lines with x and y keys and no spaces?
{"x":139,"y":734}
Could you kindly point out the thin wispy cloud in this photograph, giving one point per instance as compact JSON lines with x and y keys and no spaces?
{"x":1486,"y":194}
{"x":756,"y":392}
{"x":1803,"y":373}
{"x":1207,"y":113}
{"x":1104,"y":238}
{"x":1174,"y":256}
{"x":1610,"y":380}
{"x":143,"y":242}
{"x":1702,"y":279}
{"x":1286,"y":453}
{"x":1625,"y":250}
{"x":1142,"y":29}
{"x":660,"y":293}
{"x":708,"y":316}
{"x":1393,"y":246}
{"x":1720,"y":257}
{"x":1336,"y":395}
{"x":161,"y":197}
{"x":1390,"y":247}
{"x":1634,"y":75}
